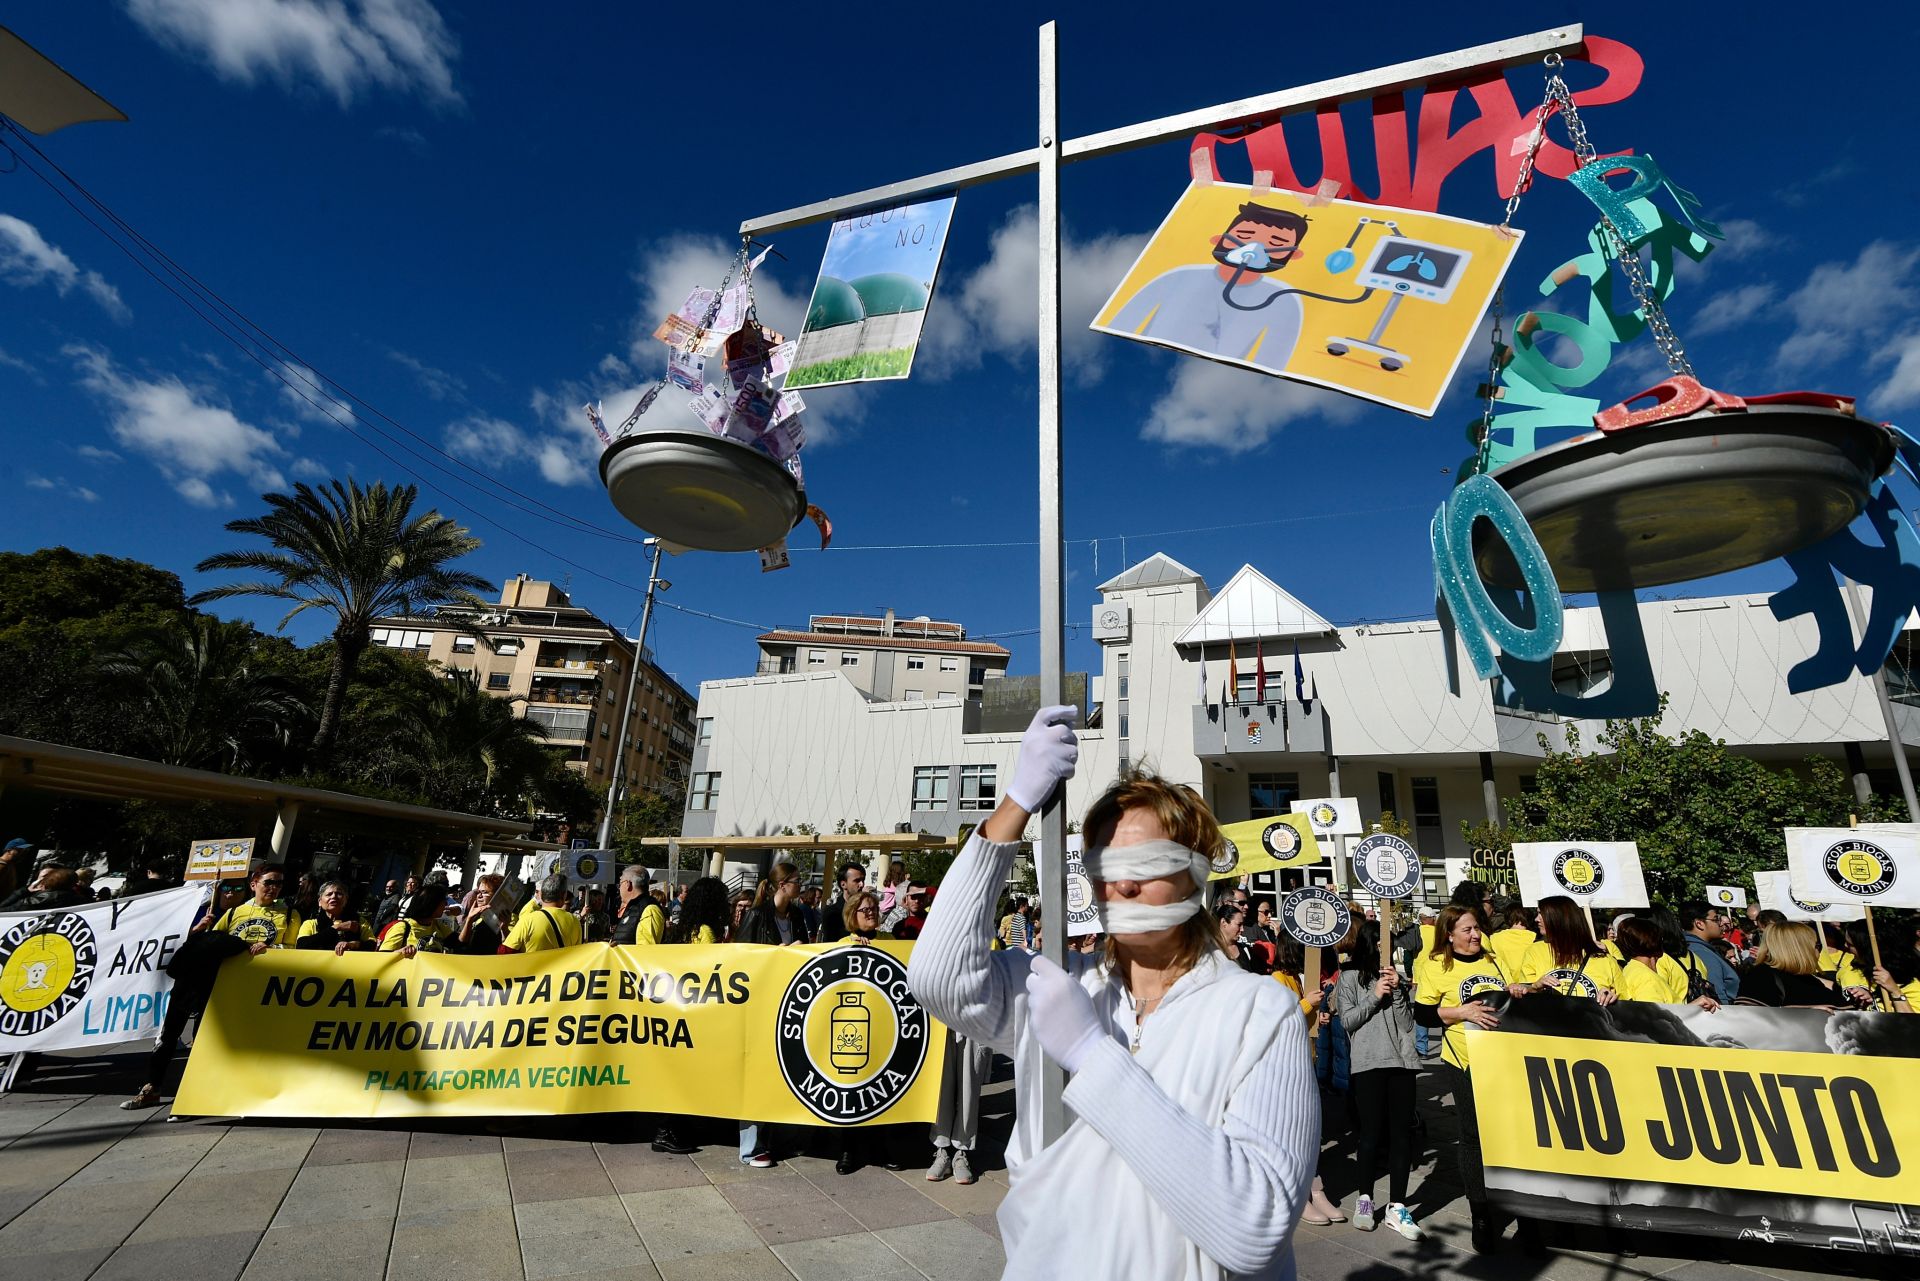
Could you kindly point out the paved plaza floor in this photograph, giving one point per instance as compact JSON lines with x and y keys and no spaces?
{"x":90,"y":1191}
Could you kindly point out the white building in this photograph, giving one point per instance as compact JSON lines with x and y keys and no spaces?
{"x":1394,"y":717}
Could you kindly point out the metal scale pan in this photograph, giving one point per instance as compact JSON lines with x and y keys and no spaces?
{"x":701,"y":491}
{"x":1689,"y":497}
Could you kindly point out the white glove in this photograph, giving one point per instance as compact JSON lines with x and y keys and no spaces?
{"x":1062,"y":1014}
{"x":1048,"y":753}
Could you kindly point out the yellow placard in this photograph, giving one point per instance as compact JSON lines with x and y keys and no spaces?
{"x":1259,"y":847}
{"x":213,"y":860}
{"x":797,"y":1035}
{"x":1832,"y":1125}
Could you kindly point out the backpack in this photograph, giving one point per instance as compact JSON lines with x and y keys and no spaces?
{"x":1698,"y":984}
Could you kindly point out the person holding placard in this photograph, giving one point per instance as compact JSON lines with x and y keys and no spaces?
{"x":1376,"y":1008}
{"x":1566,"y":958}
{"x":1462,"y":978}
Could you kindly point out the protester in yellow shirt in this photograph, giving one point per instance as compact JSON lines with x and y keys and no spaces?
{"x":417,"y":929}
{"x":704,"y":914}
{"x":265,"y":920}
{"x":546,"y":924}
{"x":1509,"y":945}
{"x":1567,"y":959}
{"x":1461,"y":979}
{"x":1643,"y":976}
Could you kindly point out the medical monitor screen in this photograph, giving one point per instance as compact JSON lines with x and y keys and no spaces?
{"x":1415,"y":268}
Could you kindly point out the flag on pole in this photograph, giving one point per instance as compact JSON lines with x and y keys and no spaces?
{"x":1314,"y":695}
{"x":1259,"y":671}
{"x":1203,"y":678}
{"x":1233,"y":669}
{"x":1299,"y":675}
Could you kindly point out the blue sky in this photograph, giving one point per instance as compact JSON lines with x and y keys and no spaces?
{"x":472,"y":217}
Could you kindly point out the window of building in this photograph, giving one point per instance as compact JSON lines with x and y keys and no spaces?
{"x":930,"y":787}
{"x":915,"y":663}
{"x":1427,"y":837}
{"x":599,"y":765}
{"x":916,"y":696}
{"x":1121,"y":669}
{"x":949,"y":664}
{"x":1125,"y":724}
{"x":849,"y":660}
{"x":976,"y":674}
{"x":1270,"y":795}
{"x":506,"y":645}
{"x":1248,"y":685}
{"x":816,"y":658}
{"x":706,"y":729}
{"x":1388,"y":800}
{"x":704,"y":793}
{"x":979,"y":787}
{"x":463,"y":644}
{"x":498,"y":680}
{"x":604,"y":731}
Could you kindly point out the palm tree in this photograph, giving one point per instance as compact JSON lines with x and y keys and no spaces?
{"x":358,"y":553}
{"x":460,"y":746}
{"x":194,"y":693}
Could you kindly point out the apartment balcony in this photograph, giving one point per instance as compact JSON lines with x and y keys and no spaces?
{"x":562,"y":724}
{"x":546,"y":665}
{"x":1279,"y":727}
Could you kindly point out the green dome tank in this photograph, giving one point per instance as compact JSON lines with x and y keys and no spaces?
{"x":835,"y":302}
{"x":887,"y":293}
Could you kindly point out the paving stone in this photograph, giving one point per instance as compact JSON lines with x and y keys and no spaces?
{"x":987,"y":1223}
{"x":557,"y":1174}
{"x":603,"y":1254}
{"x":454,"y":1183}
{"x":321,"y":1252}
{"x":146,"y":1156}
{"x":761,"y":1264}
{"x":98,"y":1216}
{"x":983,"y":1197}
{"x":859,"y":1257}
{"x":677,"y":1222}
{"x":57,"y":1265}
{"x":242,"y":1149}
{"x":635,"y":1169}
{"x":216,"y":1257}
{"x":893,"y":1210}
{"x":540,"y":1219}
{"x":781,"y":1225}
{"x":427,"y":1144}
{"x":22,"y":1119}
{"x":722,"y":1165}
{"x":357,"y":1147}
{"x":244,"y":1203}
{"x":951,"y":1250}
{"x":342,"y":1194}
{"x":474,"y":1246}
{"x":769,"y":1194}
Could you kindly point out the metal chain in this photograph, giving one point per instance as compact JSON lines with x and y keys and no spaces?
{"x":1622,"y":249}
{"x":1522,"y":182}
{"x":647,"y":398}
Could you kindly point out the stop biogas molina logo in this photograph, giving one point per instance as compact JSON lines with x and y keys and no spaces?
{"x":1578,"y":872}
{"x":46,"y":965}
{"x":1859,"y":868}
{"x":852,"y":1036}
{"x":1323,"y":815}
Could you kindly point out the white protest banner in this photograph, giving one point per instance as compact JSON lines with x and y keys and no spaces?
{"x":1726,"y":896}
{"x":580,"y":867}
{"x":77,"y":977}
{"x":1083,"y":917}
{"x":1775,"y":892}
{"x":1595,"y":873}
{"x":1874,"y":865}
{"x":1331,"y":815}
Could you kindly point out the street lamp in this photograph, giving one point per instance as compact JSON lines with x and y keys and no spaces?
{"x":655,"y":583}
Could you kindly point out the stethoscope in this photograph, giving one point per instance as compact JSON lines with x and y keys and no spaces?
{"x":1255,"y":258}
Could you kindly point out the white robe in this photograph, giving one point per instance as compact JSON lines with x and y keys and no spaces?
{"x":1190,"y":1160}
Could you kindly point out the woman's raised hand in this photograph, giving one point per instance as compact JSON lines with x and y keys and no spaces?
{"x":1049,"y":750}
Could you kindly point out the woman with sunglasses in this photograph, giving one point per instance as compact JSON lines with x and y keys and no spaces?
{"x":265,"y":920}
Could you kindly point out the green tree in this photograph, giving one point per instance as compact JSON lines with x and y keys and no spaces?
{"x":1701,"y":813}
{"x":461,"y":747}
{"x":357,"y":553}
{"x":193,"y":694}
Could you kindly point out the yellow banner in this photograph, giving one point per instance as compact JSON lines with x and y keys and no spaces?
{"x":1263,"y":844}
{"x":1832,"y":1125}
{"x":799,"y":1035}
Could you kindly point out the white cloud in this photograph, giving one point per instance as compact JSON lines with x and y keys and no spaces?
{"x":61,"y":485}
{"x":192,"y":440}
{"x":437,"y":383}
{"x":561,"y":457}
{"x":10,"y":361}
{"x":308,"y":395}
{"x":994,"y":310}
{"x":1237,"y":410}
{"x":1845,"y":309}
{"x":346,"y":46}
{"x":1901,"y":390}
{"x":27,"y":259}
{"x":1732,"y":308}
{"x":96,"y":454}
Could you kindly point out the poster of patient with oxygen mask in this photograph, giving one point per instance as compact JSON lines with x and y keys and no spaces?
{"x":1378,"y":302}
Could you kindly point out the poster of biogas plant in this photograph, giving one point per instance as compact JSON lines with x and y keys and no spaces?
{"x":863,"y":322}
